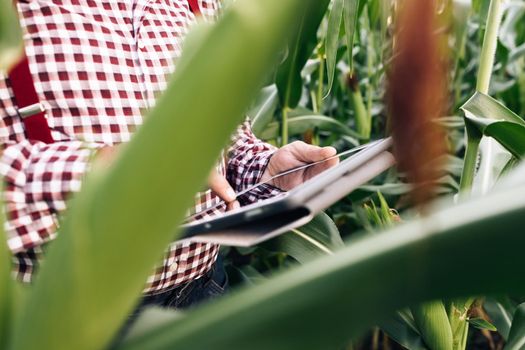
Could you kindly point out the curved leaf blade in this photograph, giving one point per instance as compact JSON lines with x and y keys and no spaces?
{"x":317,"y":238}
{"x":351,"y":14}
{"x":119,"y":225}
{"x":500,"y":313}
{"x":481,"y":323}
{"x":485,"y":107}
{"x":509,"y":135}
{"x":332,"y":40}
{"x":299,"y":125}
{"x":432,"y":322}
{"x":261,"y":114}
{"x":288,"y":78}
{"x":487,"y":116}
{"x":516,"y":340}
{"x":11,"y":46}
{"x":374,"y":277}
{"x":6,"y":288}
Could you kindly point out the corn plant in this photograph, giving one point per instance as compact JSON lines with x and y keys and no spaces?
{"x":77,"y":292}
{"x":408,"y":278}
{"x":368,"y":279}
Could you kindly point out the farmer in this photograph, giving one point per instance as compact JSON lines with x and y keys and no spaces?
{"x":94,"y":67}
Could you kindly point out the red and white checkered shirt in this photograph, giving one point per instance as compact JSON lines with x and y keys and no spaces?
{"x":97,"y":66}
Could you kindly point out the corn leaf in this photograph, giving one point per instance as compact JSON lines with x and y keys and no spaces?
{"x":119,"y":225}
{"x":263,"y":109}
{"x":486,"y":116}
{"x":374,"y":277}
{"x":332,"y":40}
{"x":373,"y":215}
{"x":485,"y":107}
{"x":10,"y":36}
{"x":319,"y":237}
{"x":288,"y":79}
{"x":516,"y":340}
{"x":300,"y":124}
{"x":151,"y":318}
{"x":6,"y":285}
{"x":248,"y":274}
{"x":481,"y":323}
{"x":351,"y":14}
{"x":509,"y":135}
{"x":386,"y":215}
{"x":402,"y":333}
{"x":500,"y":313}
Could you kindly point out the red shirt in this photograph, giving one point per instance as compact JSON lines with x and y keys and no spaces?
{"x":97,"y":67}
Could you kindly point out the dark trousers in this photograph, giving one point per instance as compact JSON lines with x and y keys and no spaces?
{"x":212,"y":285}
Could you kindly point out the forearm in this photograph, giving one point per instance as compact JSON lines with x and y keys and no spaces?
{"x":39,"y":179}
{"x":248,"y":158}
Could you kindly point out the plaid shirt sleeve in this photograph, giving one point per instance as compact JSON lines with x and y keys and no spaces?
{"x":38,"y":181}
{"x":97,"y":69}
{"x":248,"y":158}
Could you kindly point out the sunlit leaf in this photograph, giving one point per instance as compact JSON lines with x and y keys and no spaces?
{"x":10,"y":35}
{"x":288,"y":80}
{"x":6,"y":286}
{"x":119,"y":225}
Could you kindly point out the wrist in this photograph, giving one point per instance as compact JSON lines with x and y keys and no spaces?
{"x":267,"y":172}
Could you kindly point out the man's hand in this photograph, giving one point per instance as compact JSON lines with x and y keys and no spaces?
{"x":294,"y":155}
{"x":222,"y":188}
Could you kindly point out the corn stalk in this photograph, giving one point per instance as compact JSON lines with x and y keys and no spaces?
{"x":488,"y":52}
{"x":486,"y":65}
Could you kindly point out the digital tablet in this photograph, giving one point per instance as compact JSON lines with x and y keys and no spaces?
{"x":265,"y":219}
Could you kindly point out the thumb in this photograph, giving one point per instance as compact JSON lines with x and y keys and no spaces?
{"x":308,"y":153}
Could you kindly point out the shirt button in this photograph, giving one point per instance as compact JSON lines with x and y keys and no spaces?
{"x":34,"y":5}
{"x":173,"y":267}
{"x":141,"y":45}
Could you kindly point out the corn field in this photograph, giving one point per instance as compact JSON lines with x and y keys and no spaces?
{"x":425,"y":256}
